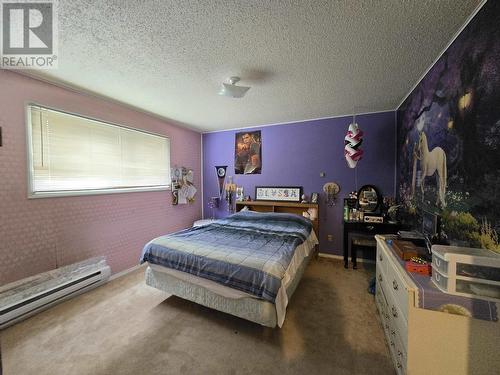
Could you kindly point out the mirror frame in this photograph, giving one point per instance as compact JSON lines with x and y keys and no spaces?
{"x":379,"y":198}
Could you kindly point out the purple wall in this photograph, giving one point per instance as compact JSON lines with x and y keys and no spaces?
{"x":295,"y":154}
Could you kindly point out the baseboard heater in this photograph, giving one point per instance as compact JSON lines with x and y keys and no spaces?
{"x":24,"y":298}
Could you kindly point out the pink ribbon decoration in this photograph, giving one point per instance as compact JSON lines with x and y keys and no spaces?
{"x":352,"y":150}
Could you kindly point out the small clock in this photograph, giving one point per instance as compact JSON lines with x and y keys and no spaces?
{"x":221,"y":172}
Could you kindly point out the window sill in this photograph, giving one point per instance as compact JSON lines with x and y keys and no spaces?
{"x":78,"y":193}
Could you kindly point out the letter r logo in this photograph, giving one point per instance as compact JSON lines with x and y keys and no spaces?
{"x":27,"y":28}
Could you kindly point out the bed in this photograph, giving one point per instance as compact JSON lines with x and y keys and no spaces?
{"x":248,"y":264}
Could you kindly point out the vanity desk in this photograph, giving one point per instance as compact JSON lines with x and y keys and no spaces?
{"x":358,"y":233}
{"x":366,"y":203}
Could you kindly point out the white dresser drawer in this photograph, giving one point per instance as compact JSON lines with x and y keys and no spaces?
{"x":398,"y":287}
{"x":399,"y":324}
{"x":399,"y":356}
{"x":381,"y":259}
{"x":396,"y":304}
{"x":395,"y":339}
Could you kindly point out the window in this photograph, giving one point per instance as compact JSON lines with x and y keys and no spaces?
{"x":75,"y":155}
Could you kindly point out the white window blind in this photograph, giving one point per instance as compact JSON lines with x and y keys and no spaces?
{"x":73,"y":155}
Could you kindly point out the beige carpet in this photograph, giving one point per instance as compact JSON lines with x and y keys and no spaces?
{"x":126,"y":327}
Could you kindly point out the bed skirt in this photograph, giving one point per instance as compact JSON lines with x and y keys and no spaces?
{"x":249,"y":308}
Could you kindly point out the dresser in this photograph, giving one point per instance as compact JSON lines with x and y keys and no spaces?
{"x":425,"y":341}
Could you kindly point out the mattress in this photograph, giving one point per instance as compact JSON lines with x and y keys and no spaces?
{"x":246,"y":251}
{"x":232,"y":301}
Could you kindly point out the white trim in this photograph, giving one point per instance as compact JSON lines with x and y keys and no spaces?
{"x":29,"y":149}
{"x":81,"y":193}
{"x":395,"y":154}
{"x":297,"y":121}
{"x":202,"y":187}
{"x":457,"y":34}
{"x":126,"y":272}
{"x":340,"y":257}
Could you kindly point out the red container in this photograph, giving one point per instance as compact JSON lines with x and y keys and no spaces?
{"x":422,"y":269}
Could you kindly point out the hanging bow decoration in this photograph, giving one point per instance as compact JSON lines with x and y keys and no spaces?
{"x":353,"y":140}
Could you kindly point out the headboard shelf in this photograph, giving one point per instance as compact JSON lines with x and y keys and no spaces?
{"x":285,"y":207}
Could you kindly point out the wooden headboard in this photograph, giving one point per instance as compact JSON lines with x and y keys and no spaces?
{"x":286,"y":207}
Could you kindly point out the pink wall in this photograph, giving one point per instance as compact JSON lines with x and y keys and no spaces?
{"x":37,"y":234}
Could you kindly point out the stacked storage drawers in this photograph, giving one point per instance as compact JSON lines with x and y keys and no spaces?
{"x":393,"y":296}
{"x":466,"y":271}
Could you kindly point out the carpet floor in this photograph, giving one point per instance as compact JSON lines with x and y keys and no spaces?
{"x":127,"y":327}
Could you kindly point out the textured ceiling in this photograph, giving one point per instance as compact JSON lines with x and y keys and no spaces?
{"x":303,"y":59}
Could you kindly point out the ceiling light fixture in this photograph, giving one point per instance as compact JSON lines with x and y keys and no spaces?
{"x":231,"y":90}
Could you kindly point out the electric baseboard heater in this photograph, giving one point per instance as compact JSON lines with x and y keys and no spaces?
{"x":24,"y":298}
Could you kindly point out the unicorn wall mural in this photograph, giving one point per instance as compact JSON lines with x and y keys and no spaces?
{"x":431,"y":163}
{"x":448,"y":137}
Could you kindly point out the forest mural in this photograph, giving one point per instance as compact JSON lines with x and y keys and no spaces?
{"x":449,"y":137}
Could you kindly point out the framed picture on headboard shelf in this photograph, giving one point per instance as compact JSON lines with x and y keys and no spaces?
{"x":278,"y":193}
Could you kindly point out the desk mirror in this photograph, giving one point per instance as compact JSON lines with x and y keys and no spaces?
{"x":368,"y":199}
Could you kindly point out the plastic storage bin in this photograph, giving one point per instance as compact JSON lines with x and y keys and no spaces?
{"x":467,"y":262}
{"x":440,"y":280}
{"x":440,"y":264}
{"x":466,"y":271}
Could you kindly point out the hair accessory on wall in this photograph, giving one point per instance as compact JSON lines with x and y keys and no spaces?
{"x":183,"y":190}
{"x":331,"y":189}
{"x":353,"y":141}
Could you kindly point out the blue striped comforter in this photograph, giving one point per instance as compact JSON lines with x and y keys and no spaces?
{"x":247,"y":251}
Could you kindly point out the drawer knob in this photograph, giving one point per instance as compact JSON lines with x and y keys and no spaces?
{"x":380,"y":278}
{"x":392,"y":343}
{"x":400,"y":353}
{"x":394,"y":284}
{"x":438,"y":262}
{"x":393,"y":332}
{"x":394,"y":312}
{"x":380,"y":257}
{"x":399,"y":364}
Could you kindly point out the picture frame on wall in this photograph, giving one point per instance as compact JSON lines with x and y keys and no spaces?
{"x":278,"y":193}
{"x":314,"y":198}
